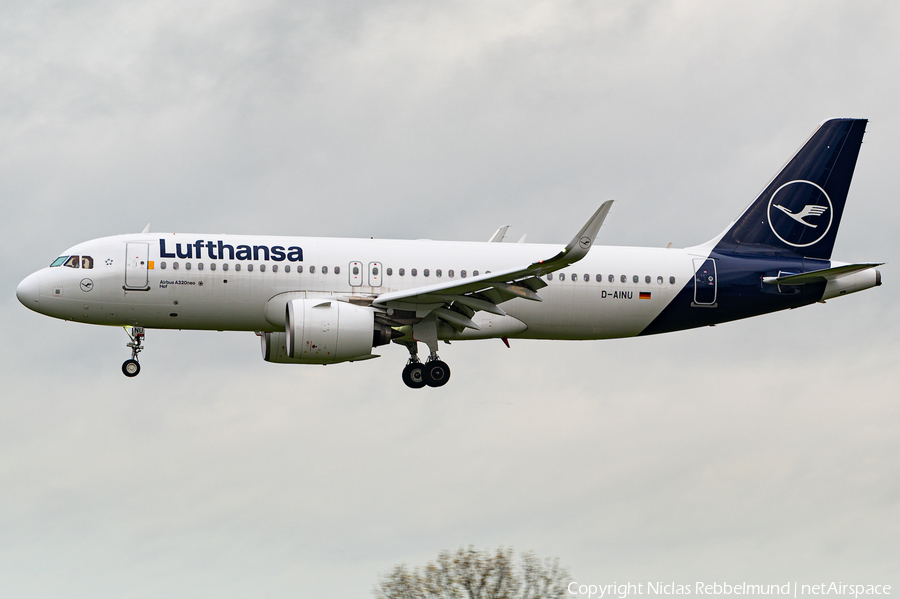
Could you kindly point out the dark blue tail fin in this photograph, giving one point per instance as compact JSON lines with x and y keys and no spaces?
{"x":798,"y":213}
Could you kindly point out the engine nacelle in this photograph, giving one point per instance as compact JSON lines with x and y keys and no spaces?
{"x":324,"y":331}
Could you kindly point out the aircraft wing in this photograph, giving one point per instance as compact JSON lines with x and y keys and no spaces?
{"x":457,"y":301}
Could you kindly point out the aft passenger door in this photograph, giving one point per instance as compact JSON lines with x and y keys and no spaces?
{"x":705,"y":283}
{"x":137,"y":266}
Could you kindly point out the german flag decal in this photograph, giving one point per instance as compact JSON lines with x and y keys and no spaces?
{"x":644,"y":295}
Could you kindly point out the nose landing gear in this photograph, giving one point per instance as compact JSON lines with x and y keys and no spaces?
{"x":132,"y":367}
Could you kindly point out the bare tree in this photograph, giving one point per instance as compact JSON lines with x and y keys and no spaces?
{"x":471,"y":574}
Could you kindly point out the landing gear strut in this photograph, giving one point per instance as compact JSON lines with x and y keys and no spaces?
{"x":132,"y":367}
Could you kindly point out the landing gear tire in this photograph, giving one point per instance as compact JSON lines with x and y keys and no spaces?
{"x":131,"y":368}
{"x":437,"y":373}
{"x":414,"y":375}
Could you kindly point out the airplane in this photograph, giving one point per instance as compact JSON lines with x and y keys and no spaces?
{"x":329,"y":300}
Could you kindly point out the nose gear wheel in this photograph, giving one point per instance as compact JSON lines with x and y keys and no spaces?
{"x":132,"y":367}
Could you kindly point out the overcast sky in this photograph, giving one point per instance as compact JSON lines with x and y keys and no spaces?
{"x":764,"y":451}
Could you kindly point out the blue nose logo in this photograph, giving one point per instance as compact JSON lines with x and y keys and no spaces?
{"x":800,"y":213}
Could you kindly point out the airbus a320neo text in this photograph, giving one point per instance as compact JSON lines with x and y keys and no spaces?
{"x":323,"y":300}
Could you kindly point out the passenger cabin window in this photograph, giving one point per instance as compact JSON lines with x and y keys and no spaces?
{"x":659,"y":280}
{"x":162,"y":265}
{"x":300,"y":269}
{"x":426,"y":272}
{"x":413,"y":272}
{"x":72,"y":262}
{"x":450,"y":273}
{"x":324,"y":270}
{"x":287,"y":268}
{"x":337,"y":270}
{"x":199,"y":266}
{"x":623,"y":278}
{"x":612,"y":278}
{"x":389,"y":271}
{"x":274,"y":267}
{"x":599,"y":278}
{"x":587,"y":278}
{"x":647,"y":279}
{"x":671,"y":280}
{"x":237,"y":267}
{"x":549,"y":276}
{"x":249,"y":268}
{"x":462,"y":273}
{"x":212,"y":265}
{"x":312,"y":270}
{"x":635,"y":278}
{"x":187,"y":265}
{"x":174,"y":266}
{"x":574,"y":277}
{"x":474,"y":273}
{"x":401,"y":272}
{"x":438,"y":272}
{"x":59,"y":261}
{"x":87,"y":262}
{"x":225,"y":266}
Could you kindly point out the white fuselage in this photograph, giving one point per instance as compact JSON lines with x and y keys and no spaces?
{"x":227,"y":293}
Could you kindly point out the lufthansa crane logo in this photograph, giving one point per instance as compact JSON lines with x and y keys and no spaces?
{"x":800,"y":213}
{"x":87,"y":284}
{"x":585,"y":242}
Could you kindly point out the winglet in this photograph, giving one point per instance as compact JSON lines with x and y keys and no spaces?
{"x":584,"y":239}
{"x":499,"y":234}
{"x":146,"y":229}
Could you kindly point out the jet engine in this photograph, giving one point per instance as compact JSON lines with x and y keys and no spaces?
{"x":325,"y":331}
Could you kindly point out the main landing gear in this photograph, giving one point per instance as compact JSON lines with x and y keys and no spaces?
{"x":132,"y":367}
{"x":434,"y":372}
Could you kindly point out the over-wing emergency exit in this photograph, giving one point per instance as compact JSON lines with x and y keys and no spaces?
{"x":329,"y":300}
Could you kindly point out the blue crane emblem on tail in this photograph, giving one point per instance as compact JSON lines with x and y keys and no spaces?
{"x":808,"y":210}
{"x":796,"y":211}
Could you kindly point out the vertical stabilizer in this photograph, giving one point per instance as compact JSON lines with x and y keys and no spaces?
{"x":799,"y":212}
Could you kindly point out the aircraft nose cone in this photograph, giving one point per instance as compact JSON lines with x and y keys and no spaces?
{"x":29,"y":291}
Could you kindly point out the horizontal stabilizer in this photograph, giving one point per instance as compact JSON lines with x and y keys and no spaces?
{"x":820,"y":276}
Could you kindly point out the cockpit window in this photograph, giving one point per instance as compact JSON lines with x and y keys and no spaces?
{"x":59,"y":261}
{"x":87,"y":262}
{"x":72,"y":262}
